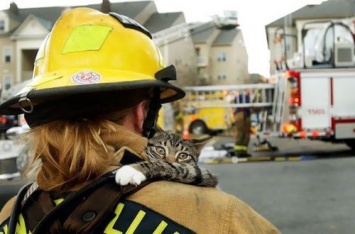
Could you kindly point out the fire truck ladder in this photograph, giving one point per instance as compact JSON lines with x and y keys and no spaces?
{"x":224,"y":96}
{"x":183,"y":30}
{"x":174,"y":33}
{"x":171,"y":34}
{"x":260,"y":95}
{"x":279,"y":104}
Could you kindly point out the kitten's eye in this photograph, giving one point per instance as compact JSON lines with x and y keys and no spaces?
{"x":183,"y":157}
{"x":160,"y":150}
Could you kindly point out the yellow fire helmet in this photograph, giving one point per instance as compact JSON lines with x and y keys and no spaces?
{"x":87,"y":54}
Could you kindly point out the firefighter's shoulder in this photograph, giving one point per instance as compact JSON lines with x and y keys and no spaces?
{"x":196,"y":207}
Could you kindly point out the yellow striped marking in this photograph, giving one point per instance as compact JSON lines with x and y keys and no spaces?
{"x":217,"y":161}
{"x":161,"y":227}
{"x":288,"y":159}
{"x":137,"y":220}
{"x":109,"y":229}
{"x":58,"y":201}
{"x":252,"y":159}
{"x":240,"y":147}
{"x":5,"y":230}
{"x":21,"y":226}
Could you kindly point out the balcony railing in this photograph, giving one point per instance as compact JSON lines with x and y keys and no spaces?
{"x":202,"y":61}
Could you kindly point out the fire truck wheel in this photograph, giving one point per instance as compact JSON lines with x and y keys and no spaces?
{"x":198,"y":127}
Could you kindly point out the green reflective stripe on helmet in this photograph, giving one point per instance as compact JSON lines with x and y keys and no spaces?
{"x":86,"y":37}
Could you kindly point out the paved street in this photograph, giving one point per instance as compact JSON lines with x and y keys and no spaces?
{"x":316,"y":196}
{"x":307,"y":196}
{"x":288,"y":146}
{"x":302,"y":196}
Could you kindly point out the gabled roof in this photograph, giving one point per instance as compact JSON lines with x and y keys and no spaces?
{"x":45,"y":23}
{"x":203,"y":32}
{"x":49,"y":15}
{"x":46,"y":15}
{"x":225,"y":37}
{"x":160,"y":21}
{"x":328,"y":9}
{"x":131,"y":9}
{"x":47,"y":26}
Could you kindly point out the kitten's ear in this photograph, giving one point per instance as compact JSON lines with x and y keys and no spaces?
{"x":158,"y":129}
{"x":199,"y":143}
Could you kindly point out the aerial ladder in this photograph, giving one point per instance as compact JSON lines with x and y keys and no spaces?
{"x":184,"y":30}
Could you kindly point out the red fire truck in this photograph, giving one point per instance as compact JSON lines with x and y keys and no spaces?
{"x":315,"y":92}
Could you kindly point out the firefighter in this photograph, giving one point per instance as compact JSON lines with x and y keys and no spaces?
{"x":242,"y":124}
{"x":99,"y":83}
{"x":178,"y":117}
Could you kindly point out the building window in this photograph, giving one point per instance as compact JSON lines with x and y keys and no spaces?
{"x":221,"y":76}
{"x":7,"y":81}
{"x":7,"y":54}
{"x":221,"y":57}
{"x":2,"y":25}
{"x":198,"y":51}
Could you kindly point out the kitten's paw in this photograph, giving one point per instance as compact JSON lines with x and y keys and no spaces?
{"x":128,"y":175}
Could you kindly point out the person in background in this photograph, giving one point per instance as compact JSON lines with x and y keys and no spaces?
{"x":242,"y":124}
{"x":178,"y":117}
{"x":99,"y":84}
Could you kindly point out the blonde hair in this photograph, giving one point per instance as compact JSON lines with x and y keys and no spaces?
{"x":69,"y":153}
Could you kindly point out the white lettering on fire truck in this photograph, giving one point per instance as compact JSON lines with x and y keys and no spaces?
{"x":316,"y":111}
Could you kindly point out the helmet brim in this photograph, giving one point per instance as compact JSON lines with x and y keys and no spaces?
{"x":12,"y":106}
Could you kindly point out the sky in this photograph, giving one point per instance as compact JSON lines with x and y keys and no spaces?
{"x":253,"y":15}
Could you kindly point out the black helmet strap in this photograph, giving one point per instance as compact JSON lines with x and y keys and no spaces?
{"x":152,"y":115}
{"x":166,"y":74}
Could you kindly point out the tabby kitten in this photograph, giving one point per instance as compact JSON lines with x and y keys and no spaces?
{"x":169,"y":158}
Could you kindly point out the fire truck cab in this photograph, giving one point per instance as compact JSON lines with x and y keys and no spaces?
{"x":315,"y":95}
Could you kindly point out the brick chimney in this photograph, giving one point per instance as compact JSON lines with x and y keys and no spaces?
{"x":13,"y":8}
{"x":105,"y":6}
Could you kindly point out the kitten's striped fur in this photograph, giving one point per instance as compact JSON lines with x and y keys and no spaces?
{"x":170,"y":158}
